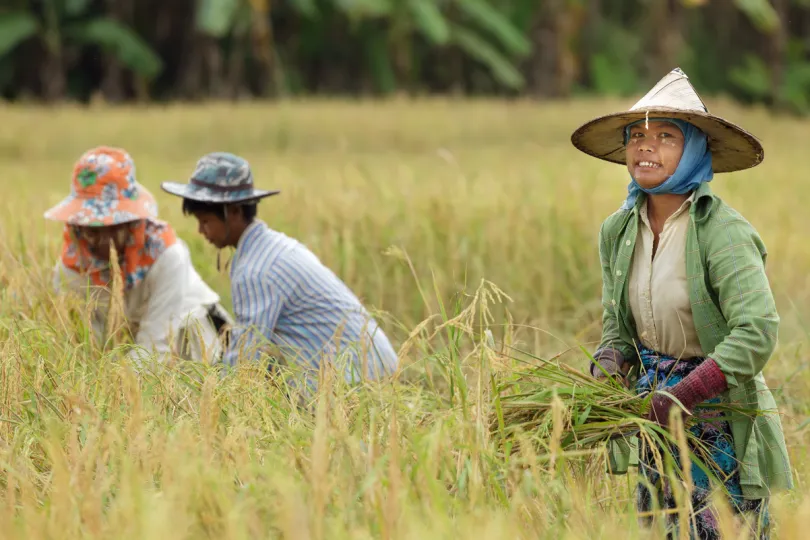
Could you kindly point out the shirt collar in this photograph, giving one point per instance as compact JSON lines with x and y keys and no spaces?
{"x":681,"y":209}
{"x":251,"y":231}
{"x":248,"y":233}
{"x":701,"y":202}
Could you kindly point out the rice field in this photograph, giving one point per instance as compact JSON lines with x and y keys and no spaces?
{"x":468,"y":227}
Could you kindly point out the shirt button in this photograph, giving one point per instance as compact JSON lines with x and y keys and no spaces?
{"x":618,"y":272}
{"x":613,"y":301}
{"x":628,"y":243}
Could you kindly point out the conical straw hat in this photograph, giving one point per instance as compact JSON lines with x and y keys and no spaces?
{"x":732,"y":147}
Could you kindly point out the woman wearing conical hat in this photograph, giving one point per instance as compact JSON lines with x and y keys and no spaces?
{"x":167,"y":305}
{"x":687,"y":304}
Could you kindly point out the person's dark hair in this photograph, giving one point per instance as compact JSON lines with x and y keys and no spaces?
{"x":218,"y":209}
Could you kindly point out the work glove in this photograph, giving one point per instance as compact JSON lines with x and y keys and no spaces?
{"x":705,"y":382}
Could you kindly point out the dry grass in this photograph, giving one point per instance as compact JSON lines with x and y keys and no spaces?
{"x":465,"y":191}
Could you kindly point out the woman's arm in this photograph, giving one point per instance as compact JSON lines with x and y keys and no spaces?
{"x":613,"y":353}
{"x":736,"y":270}
{"x":163,"y":318}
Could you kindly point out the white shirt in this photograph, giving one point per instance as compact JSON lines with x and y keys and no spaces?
{"x":659,"y":291}
{"x":171,"y":297}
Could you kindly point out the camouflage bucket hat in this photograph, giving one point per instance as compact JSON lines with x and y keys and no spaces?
{"x":221,"y":178}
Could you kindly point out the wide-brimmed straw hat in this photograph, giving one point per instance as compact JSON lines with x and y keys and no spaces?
{"x":219,"y":177}
{"x":732,"y":147}
{"x":104,"y":192}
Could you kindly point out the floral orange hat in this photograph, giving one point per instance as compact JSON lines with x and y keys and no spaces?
{"x":104,"y":192}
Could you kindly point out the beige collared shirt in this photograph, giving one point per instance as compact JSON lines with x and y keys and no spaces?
{"x":659,"y":293}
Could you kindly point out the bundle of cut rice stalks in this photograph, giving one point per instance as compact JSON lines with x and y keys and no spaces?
{"x":592,"y":411}
{"x":559,"y":408}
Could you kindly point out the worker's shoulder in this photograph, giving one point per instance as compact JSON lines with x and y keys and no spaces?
{"x":172,"y":263}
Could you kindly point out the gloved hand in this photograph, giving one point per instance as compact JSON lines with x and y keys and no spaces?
{"x":611,"y":360}
{"x":705,"y":382}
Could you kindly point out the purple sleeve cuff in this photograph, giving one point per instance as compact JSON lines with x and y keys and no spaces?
{"x":705,"y":382}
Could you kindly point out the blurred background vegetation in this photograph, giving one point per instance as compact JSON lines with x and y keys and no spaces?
{"x":755,"y":51}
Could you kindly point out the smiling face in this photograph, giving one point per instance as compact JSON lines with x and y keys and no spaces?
{"x":653,"y":152}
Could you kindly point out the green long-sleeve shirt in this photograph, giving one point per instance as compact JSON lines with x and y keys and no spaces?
{"x":735,"y":317}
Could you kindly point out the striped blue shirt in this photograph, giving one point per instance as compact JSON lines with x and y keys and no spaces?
{"x":283,"y":295}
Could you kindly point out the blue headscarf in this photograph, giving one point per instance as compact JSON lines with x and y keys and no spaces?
{"x":694,"y":168}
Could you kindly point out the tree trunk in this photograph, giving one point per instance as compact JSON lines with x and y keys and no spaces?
{"x":112,"y":83}
{"x":236,"y":67}
{"x":541,"y":66}
{"x":191,"y":75}
{"x":569,"y":22}
{"x":112,"y":86}
{"x":553,"y":67}
{"x":53,"y":77}
{"x":213,"y":68}
{"x":663,"y":33}
{"x":591,"y":28}
{"x":401,"y":48}
{"x":264,"y":46}
{"x":777,"y":52}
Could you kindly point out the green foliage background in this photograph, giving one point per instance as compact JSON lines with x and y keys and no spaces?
{"x":753,"y":50}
